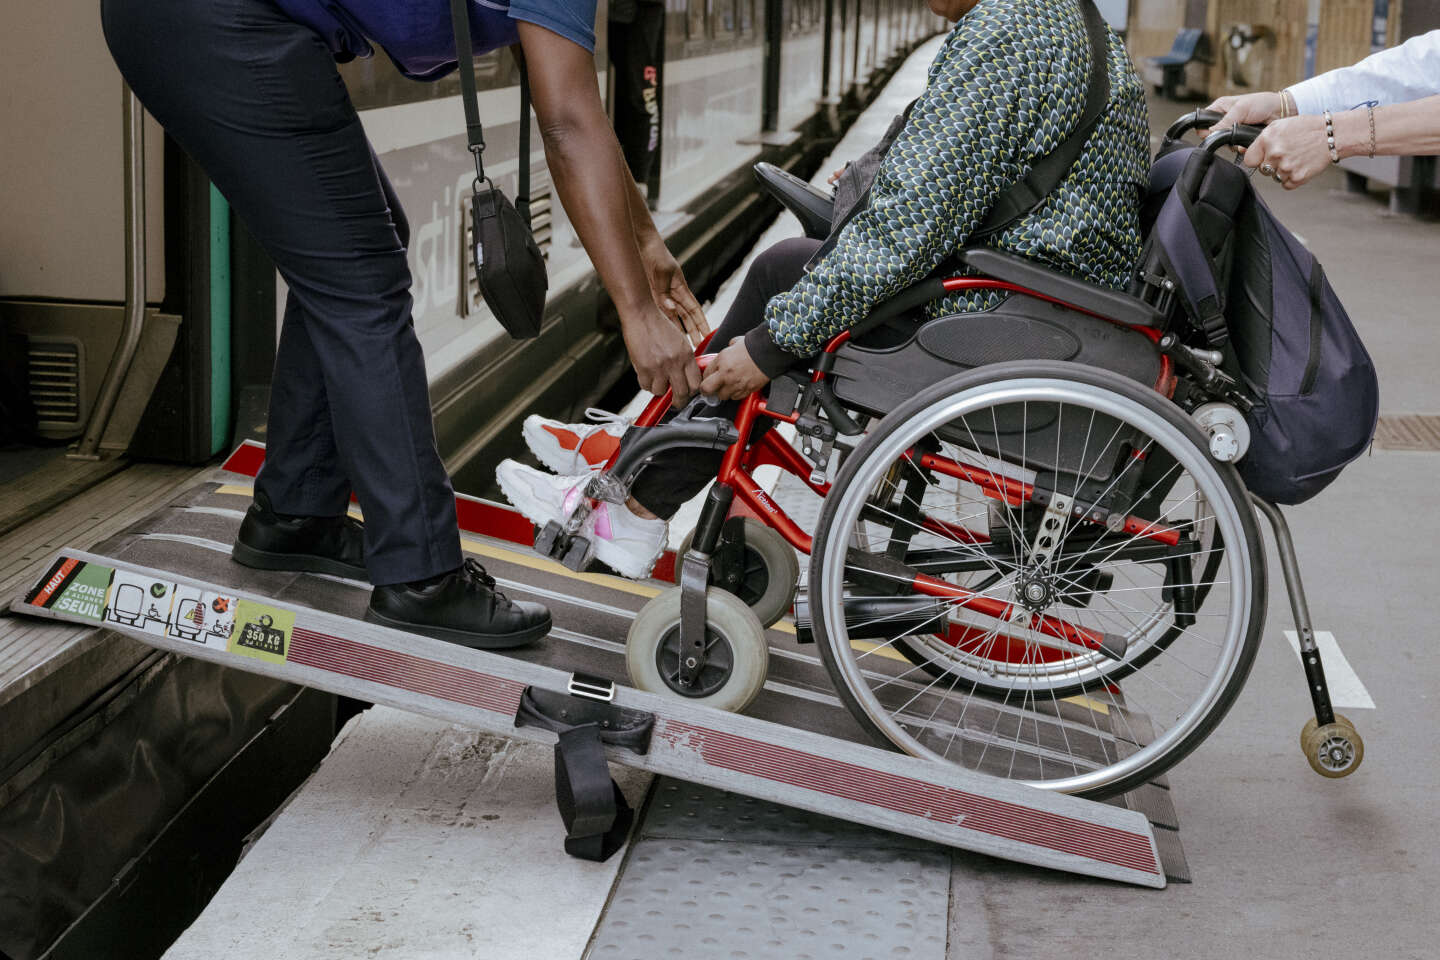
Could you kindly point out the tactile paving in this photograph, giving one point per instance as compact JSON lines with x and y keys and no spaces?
{"x":719,"y":900}
{"x":680,"y":810}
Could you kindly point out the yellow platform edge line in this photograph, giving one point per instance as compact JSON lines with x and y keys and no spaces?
{"x":475,"y":545}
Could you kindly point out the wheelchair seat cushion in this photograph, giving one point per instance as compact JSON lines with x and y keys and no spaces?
{"x":873,"y":376}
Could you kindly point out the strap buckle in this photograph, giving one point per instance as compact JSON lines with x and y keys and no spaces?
{"x":591,"y":687}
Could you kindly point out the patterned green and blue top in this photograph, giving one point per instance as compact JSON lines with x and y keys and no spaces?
{"x":1007,"y":87}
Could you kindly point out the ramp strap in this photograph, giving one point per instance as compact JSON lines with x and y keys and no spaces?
{"x":596,"y":815}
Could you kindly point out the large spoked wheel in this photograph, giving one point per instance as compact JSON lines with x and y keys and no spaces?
{"x":1035,"y":570}
{"x":762,"y":571}
{"x":737,"y":656}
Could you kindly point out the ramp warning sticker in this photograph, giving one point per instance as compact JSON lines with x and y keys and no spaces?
{"x":73,"y":588}
{"x":203,"y":616}
{"x":141,"y":602}
{"x":262,"y":631}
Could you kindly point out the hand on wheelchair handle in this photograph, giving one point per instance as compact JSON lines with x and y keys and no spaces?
{"x":732,"y":374}
{"x":662,"y":355}
{"x":1252,"y":109}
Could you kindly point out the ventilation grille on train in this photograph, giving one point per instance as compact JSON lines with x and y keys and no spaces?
{"x":56,"y":389}
{"x":540,"y":224}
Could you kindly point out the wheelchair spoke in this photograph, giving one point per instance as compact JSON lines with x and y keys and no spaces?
{"x":1080,"y":659}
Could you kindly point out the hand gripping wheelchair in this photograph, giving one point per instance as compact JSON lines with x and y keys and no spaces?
{"x":1033,"y":561}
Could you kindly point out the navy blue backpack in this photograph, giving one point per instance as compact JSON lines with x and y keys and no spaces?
{"x":1251,"y":290}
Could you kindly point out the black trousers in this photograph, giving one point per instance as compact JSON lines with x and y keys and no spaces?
{"x":636,"y":39}
{"x":256,"y":100}
{"x":674,"y":476}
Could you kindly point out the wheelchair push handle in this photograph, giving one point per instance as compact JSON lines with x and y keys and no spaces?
{"x":1241,"y":135}
{"x":1194,"y":120}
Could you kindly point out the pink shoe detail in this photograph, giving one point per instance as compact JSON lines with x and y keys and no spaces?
{"x":602,"y":522}
{"x":572,"y":498}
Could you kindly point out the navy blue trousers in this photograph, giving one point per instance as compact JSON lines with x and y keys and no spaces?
{"x":256,"y":100}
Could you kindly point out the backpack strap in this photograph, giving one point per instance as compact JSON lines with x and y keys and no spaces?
{"x":1193,"y":245}
{"x":1025,"y":195}
{"x":1194,"y":272}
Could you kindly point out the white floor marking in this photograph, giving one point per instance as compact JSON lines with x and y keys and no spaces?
{"x":1346,"y":690}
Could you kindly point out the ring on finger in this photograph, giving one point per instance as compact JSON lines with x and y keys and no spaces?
{"x":1267,"y":170}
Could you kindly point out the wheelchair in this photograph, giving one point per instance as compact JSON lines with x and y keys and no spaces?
{"x":1034,"y":556}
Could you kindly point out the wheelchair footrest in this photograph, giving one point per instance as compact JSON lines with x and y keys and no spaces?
{"x":550,"y":539}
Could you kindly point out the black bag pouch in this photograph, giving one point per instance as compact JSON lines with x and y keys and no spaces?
{"x":509,"y":267}
{"x":508,"y":263}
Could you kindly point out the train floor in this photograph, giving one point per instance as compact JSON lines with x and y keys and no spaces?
{"x":416,"y":839}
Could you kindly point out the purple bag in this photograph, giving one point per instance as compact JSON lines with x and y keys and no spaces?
{"x":1255,"y":291}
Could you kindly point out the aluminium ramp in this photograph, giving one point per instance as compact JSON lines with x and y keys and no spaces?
{"x":766,"y":760}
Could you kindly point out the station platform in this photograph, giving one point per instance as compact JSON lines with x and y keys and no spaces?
{"x":417,"y":838}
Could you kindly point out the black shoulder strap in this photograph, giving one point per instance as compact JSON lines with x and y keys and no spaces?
{"x":1027,"y":194}
{"x":522,"y":185}
{"x":474,"y":133}
{"x":465,"y":61}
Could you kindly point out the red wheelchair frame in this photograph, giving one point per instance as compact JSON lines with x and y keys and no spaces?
{"x":743,"y":457}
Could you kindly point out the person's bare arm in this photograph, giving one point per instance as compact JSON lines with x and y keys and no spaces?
{"x":595,"y":188}
{"x":1403,"y":129}
{"x":667,"y":280}
{"x":1296,"y":150}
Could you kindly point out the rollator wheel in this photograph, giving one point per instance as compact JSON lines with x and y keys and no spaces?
{"x":1072,"y":590}
{"x":737,"y":656}
{"x":1334,"y":750}
{"x":763,"y":574}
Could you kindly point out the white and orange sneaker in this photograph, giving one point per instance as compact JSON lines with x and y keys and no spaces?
{"x":626,"y":543}
{"x":571,"y":448}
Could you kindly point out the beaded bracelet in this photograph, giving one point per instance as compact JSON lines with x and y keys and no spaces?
{"x":1371,"y":108}
{"x":1330,"y":137}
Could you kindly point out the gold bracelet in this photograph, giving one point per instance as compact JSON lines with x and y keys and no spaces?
{"x":1371,"y":107}
{"x":1284,"y":107}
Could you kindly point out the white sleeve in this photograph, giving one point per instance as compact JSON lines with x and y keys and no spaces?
{"x":1407,"y":72}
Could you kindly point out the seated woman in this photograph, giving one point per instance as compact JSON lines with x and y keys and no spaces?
{"x":1008,"y":85}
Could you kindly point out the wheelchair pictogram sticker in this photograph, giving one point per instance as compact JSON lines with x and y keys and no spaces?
{"x":261,"y":631}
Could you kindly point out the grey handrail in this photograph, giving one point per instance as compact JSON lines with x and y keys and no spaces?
{"x":134,"y":148}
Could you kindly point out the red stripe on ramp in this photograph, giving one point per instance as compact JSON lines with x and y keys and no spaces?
{"x":404,"y":671}
{"x":914,"y":797}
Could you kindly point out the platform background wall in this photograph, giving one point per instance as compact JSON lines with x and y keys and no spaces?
{"x":1344,"y":34}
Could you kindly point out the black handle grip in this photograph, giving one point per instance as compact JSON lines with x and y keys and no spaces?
{"x":1238,"y":136}
{"x":1194,"y":120}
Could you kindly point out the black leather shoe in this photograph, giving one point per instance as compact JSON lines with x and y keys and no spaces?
{"x":333,"y":545}
{"x":463,"y":607}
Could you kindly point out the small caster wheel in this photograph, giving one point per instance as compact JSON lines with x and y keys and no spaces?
{"x":764,"y":576}
{"x":737,"y":656}
{"x":1334,"y":750}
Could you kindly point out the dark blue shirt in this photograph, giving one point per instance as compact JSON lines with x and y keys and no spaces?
{"x":417,"y":33}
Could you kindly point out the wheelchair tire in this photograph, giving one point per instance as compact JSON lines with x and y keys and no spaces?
{"x":739,"y":657}
{"x":1010,"y":692}
{"x":765,"y":575}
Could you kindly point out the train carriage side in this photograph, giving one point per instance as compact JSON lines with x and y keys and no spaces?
{"x":141,"y":320}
